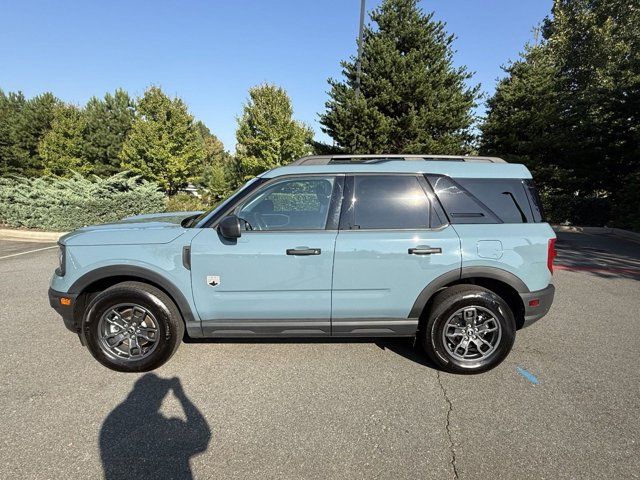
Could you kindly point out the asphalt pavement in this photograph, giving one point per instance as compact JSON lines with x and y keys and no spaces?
{"x":564,"y":404}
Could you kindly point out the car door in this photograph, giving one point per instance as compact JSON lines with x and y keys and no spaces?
{"x":393,"y":241}
{"x":276,"y":278}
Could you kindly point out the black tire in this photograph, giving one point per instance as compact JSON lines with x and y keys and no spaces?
{"x":170,"y":325}
{"x":445,"y":305}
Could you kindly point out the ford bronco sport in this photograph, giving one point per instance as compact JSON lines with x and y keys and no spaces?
{"x":453,"y":251}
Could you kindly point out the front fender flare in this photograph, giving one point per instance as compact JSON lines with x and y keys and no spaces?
{"x":143,"y":274}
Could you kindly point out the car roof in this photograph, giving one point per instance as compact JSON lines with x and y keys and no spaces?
{"x":457,"y":167}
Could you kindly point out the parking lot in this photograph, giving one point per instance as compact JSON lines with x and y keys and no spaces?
{"x":564,"y":404}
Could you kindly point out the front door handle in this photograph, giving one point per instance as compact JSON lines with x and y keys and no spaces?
{"x":303,"y":251}
{"x":424,"y":250}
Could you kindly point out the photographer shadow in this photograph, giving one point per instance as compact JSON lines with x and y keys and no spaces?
{"x":137,"y":441}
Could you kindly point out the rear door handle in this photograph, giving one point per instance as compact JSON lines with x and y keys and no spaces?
{"x":303,"y":251}
{"x":423,"y":250}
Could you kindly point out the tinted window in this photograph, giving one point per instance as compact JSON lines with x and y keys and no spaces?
{"x":387,"y":201}
{"x":506,"y":198}
{"x":292,"y":204}
{"x":460,"y":205}
{"x":534,"y":201}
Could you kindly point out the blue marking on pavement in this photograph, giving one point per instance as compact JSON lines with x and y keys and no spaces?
{"x":528,"y":375}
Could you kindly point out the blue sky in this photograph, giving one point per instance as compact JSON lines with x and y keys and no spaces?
{"x":210,"y":52}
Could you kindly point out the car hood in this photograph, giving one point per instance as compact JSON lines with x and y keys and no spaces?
{"x":136,"y":230}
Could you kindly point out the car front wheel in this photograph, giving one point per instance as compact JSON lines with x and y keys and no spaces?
{"x":132,"y":327}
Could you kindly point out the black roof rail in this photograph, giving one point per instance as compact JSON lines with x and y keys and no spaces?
{"x":368,"y":159}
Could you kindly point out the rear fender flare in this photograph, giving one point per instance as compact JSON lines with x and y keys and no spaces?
{"x":460,"y":274}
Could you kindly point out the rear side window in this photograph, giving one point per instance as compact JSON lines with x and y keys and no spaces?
{"x":483,"y":200}
{"x":385,"y":202}
{"x":506,"y":198}
{"x":534,"y":201}
{"x":459,"y":204}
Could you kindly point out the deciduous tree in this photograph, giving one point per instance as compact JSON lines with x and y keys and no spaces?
{"x":62,"y":148}
{"x":267,"y":134}
{"x":164,"y":144}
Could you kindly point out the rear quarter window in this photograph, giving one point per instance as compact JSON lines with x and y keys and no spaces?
{"x":534,"y":201}
{"x":483,"y":200}
{"x":506,"y":198}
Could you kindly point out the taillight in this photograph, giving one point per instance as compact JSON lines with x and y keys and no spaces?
{"x":551,"y":254}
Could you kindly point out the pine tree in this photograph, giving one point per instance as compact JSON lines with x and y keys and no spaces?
{"x":523,"y":123}
{"x":28,"y":121}
{"x":570,"y":109}
{"x":11,"y":106}
{"x":412,"y":99}
{"x":108,"y":122}
{"x":164,"y":144}
{"x":267,"y":135}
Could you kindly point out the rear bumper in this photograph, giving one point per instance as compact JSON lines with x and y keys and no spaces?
{"x":65,"y":311}
{"x":533,"y":313}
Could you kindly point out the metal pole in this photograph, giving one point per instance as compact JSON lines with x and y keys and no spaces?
{"x":359,"y":63}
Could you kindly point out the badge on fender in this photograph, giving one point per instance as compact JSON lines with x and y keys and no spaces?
{"x":213,"y":280}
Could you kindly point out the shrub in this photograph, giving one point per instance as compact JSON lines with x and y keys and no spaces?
{"x":183,"y":202}
{"x":59,"y":204}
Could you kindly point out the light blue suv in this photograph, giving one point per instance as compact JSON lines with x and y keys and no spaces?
{"x":450,"y":250}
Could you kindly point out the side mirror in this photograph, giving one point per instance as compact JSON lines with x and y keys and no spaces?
{"x":229,"y":227}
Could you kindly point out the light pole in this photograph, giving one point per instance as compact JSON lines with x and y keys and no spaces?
{"x":359,"y":62}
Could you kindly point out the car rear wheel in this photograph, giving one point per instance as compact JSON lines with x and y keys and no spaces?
{"x":132,"y":327}
{"x":469,"y":329}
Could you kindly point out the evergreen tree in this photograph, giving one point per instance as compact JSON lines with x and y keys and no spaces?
{"x":267,"y":135}
{"x":23,"y":123}
{"x":570,"y":109}
{"x":11,"y":106}
{"x":523,"y":123}
{"x":412,"y":99}
{"x":164,"y":144}
{"x":62,"y":148}
{"x":107,"y":124}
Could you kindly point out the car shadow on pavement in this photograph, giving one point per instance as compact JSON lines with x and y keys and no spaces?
{"x":407,"y":348}
{"x":137,"y":441}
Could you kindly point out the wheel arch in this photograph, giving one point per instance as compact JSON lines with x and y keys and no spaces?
{"x":104,"y":277}
{"x":503,"y":283}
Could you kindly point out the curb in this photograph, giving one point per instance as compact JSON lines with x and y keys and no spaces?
{"x":619,"y":232}
{"x":30,"y":235}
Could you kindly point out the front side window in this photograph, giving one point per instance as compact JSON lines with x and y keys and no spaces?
{"x":291,"y":204}
{"x":386,"y":202}
{"x":204,"y":218}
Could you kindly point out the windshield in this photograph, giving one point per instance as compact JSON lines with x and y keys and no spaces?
{"x":196,"y":220}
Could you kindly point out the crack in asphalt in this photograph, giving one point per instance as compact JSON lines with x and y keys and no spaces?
{"x":452,"y":447}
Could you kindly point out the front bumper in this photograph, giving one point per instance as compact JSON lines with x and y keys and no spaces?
{"x":65,"y":311}
{"x":544,"y":298}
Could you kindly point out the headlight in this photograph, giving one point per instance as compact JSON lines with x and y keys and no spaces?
{"x":62,"y":260}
